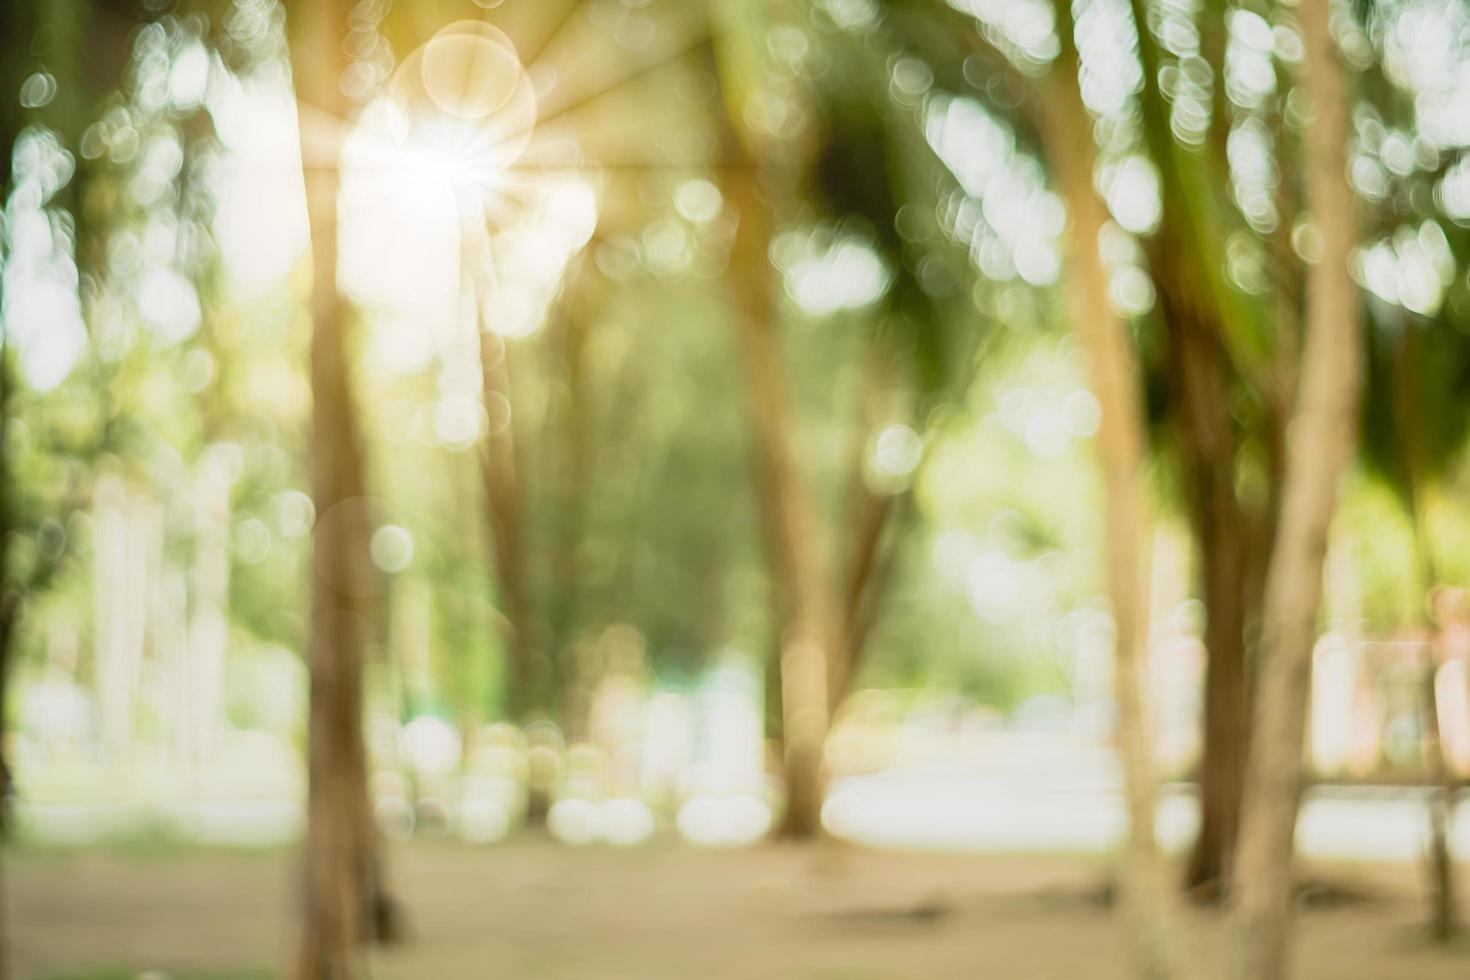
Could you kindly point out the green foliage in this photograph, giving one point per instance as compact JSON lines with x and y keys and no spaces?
{"x":629,"y":404}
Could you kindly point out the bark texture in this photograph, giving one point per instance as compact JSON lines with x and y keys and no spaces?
{"x":1322,"y":435}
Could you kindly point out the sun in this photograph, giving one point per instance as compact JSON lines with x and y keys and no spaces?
{"x":432,"y":204}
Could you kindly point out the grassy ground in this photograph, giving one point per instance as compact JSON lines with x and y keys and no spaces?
{"x":537,"y":910}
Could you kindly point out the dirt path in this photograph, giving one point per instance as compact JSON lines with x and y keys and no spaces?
{"x":533,"y":909}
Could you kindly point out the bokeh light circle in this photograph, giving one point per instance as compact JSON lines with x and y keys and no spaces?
{"x":469,"y":99}
{"x":468,"y":75}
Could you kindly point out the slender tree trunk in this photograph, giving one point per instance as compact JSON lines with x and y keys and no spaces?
{"x":1184,"y":263}
{"x":10,"y":596}
{"x":1146,"y":895}
{"x":125,"y":527}
{"x":336,"y":637}
{"x":808,"y":633}
{"x":801,"y":592}
{"x":877,"y":524}
{"x":17,"y":24}
{"x":208,"y":628}
{"x":867,"y":570}
{"x":505,"y":521}
{"x":1321,"y":442}
{"x":1197,"y":317}
{"x":10,"y":611}
{"x":10,"y":602}
{"x":504,"y":501}
{"x":1443,"y":918}
{"x":867,"y":518}
{"x":575,"y":472}
{"x":1207,"y":442}
{"x":19,"y":21}
{"x":5,"y":970}
{"x":1226,"y":698}
{"x":345,"y":899}
{"x":1410,"y":432}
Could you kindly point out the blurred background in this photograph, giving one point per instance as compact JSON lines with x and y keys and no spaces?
{"x":635,"y":431}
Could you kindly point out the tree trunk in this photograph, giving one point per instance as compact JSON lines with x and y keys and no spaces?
{"x":877,"y":522}
{"x":801,"y":592}
{"x":505,"y":522}
{"x":17,"y":25}
{"x":1443,"y":919}
{"x":335,"y":642}
{"x":5,"y":971}
{"x":575,"y":472}
{"x":1321,"y":442}
{"x":345,"y":900}
{"x":1410,"y":432}
{"x":208,"y":628}
{"x":1146,"y":896}
{"x":1226,"y":697}
{"x":1207,"y":449}
{"x":10,"y":600}
{"x":807,"y":634}
{"x":10,"y":597}
{"x":868,"y":565}
{"x":504,"y":502}
{"x":126,"y":539}
{"x":10,"y":609}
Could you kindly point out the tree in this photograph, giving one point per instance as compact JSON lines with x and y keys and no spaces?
{"x":14,"y":19}
{"x":1050,"y":113}
{"x":1122,"y":456}
{"x":1322,"y":431}
{"x":345,"y":900}
{"x":1416,"y":363}
{"x":871,"y":167}
{"x":805,"y":612}
{"x":506,"y":504}
{"x":1214,"y":339}
{"x":19,"y":23}
{"x":25,"y":513}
